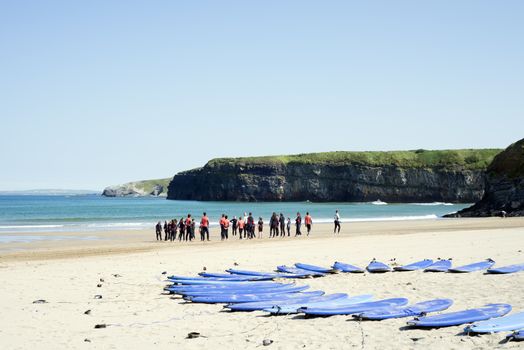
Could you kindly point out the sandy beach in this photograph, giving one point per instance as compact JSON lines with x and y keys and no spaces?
{"x":129,"y":264}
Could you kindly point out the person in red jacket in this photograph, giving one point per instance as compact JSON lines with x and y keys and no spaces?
{"x":226,"y":227}
{"x":204,"y":227}
{"x":189,"y":234}
{"x":221,"y":223}
{"x":308,"y":221}
{"x":241,"y":225}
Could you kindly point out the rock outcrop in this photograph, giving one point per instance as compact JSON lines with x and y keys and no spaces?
{"x":504,"y":186}
{"x":155,"y":188}
{"x":411,"y":176}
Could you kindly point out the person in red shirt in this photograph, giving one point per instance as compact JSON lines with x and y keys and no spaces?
{"x":221,"y":222}
{"x":226,"y":227}
{"x":189,"y":235}
{"x":204,"y":227}
{"x":308,"y":221}
{"x":241,"y":225}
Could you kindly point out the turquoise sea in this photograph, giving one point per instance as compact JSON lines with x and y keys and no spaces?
{"x":38,"y":214}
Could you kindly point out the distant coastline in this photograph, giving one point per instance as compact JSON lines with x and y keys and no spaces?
{"x":48,"y":192}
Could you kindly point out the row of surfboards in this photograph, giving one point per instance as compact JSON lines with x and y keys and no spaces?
{"x":428,"y":265}
{"x":242,"y":293}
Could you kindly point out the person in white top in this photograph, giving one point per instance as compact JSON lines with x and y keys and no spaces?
{"x":337,"y":222}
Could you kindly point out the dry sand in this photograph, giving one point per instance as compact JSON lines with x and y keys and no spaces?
{"x":139,"y":316}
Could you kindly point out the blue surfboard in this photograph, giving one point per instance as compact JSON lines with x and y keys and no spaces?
{"x":229,"y":287}
{"x":315,"y":268}
{"x":214,"y":278}
{"x":499,"y":324}
{"x":261,"y":305}
{"x":439,"y":266}
{"x":272,"y":274}
{"x":507,"y":269}
{"x":229,"y":276}
{"x":418,"y":309}
{"x":352,"y":309}
{"x":288,"y":269}
{"x":240,"y":285}
{"x":290,"y":289}
{"x":239,"y":298}
{"x":207,"y":281}
{"x":481,"y":265}
{"x":343,"y":267}
{"x":377,"y":267}
{"x":419,"y":265}
{"x":518,"y":335}
{"x":460,"y":317}
{"x":342,"y":299}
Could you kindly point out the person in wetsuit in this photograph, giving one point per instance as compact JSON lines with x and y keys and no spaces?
{"x":158,"y":229}
{"x":298,"y":223}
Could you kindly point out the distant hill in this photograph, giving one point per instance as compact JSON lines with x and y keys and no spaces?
{"x":155,"y":188}
{"x":48,"y":192}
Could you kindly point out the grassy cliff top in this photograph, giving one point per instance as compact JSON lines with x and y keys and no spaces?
{"x":510,"y":162}
{"x":147,"y":186}
{"x":460,"y":158}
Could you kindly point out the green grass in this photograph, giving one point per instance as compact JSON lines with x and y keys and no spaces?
{"x":461,"y":158}
{"x":148,"y":185}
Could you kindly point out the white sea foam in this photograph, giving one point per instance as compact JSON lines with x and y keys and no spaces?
{"x":28,"y":226}
{"x":378,"y":202}
{"x":33,"y":238}
{"x":119,"y":224}
{"x":389,"y":218}
{"x":433,"y":203}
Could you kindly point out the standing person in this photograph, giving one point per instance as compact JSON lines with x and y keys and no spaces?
{"x":221,"y":222}
{"x":188,"y":227}
{"x":174,"y":225}
{"x":271,"y":225}
{"x":250,"y":226}
{"x":181,"y":229}
{"x":274,"y":224}
{"x":288,"y":226}
{"x":166,"y":229}
{"x":282,"y":221}
{"x":204,"y":227}
{"x":308,"y":221}
{"x":170,"y":230}
{"x":226,"y":228}
{"x":298,"y":223}
{"x":158,"y":229}
{"x":192,"y":229}
{"x":234,"y":226}
{"x":241,"y":225}
{"x":337,"y":222}
{"x":260,"y":227}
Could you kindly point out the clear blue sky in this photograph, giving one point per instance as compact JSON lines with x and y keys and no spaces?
{"x":94,"y":93}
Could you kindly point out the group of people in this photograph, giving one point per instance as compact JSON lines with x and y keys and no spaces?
{"x":185,"y":227}
{"x":245,"y":227}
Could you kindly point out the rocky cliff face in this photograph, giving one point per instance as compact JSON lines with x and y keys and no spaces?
{"x":155,"y":188}
{"x":248,"y":181}
{"x":504,"y":186}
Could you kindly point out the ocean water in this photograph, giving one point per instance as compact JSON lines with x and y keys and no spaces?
{"x":38,"y":214}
